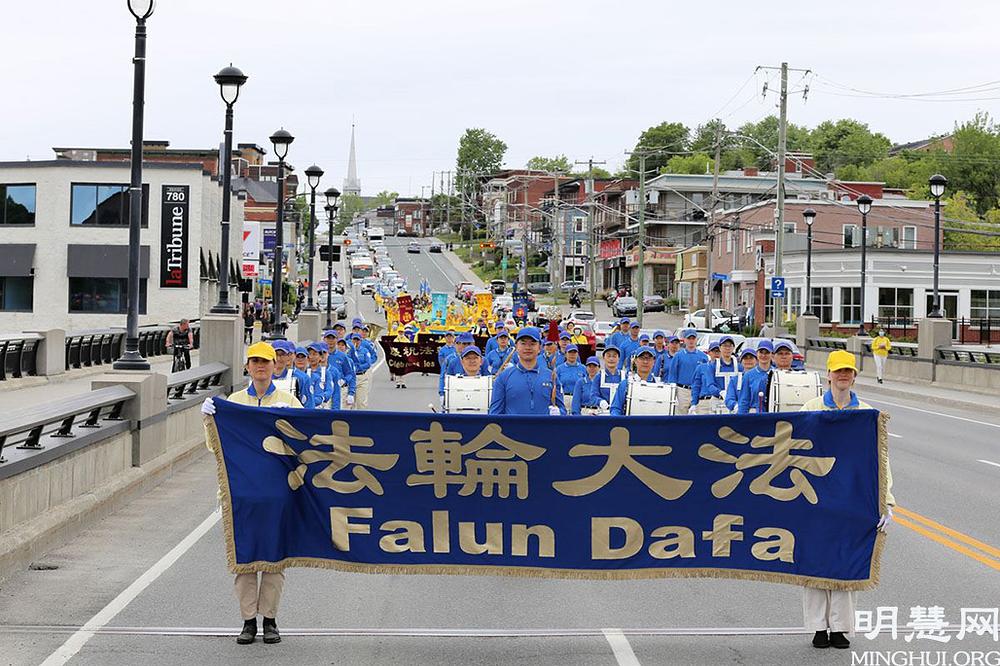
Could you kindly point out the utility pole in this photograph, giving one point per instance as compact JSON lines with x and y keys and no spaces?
{"x":591,"y":237}
{"x":447,"y":211}
{"x":779,"y":235}
{"x":640,"y":292}
{"x":555,"y":256}
{"x":710,"y":232}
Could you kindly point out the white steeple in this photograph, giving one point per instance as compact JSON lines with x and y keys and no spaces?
{"x":351,"y":184}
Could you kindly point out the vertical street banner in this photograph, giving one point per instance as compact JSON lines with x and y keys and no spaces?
{"x":250,"y":266}
{"x":175,"y":239}
{"x":405,"y":304}
{"x":787,"y":498}
{"x":439,"y":306}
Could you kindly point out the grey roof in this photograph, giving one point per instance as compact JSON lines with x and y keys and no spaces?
{"x":260,"y":191}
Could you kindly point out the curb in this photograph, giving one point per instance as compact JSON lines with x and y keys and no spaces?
{"x":943,"y":401}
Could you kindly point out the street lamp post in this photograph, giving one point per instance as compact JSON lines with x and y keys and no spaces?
{"x":280,"y":140}
{"x":230,"y":79}
{"x":864,"y":207}
{"x":810,"y":216}
{"x":937,"y":183}
{"x":332,"y":194}
{"x":132,"y":359}
{"x":313,"y":174}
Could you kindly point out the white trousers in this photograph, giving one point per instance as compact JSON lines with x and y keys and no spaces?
{"x":263,"y":600}
{"x":828,"y":609}
{"x":363,"y":388}
{"x":706,"y":405}
{"x":683,"y":400}
{"x":879,"y":365}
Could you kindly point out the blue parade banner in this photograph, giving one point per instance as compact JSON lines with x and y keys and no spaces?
{"x":439,"y":306}
{"x":791,"y":498}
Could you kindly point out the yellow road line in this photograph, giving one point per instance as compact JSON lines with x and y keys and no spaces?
{"x":944,"y":541}
{"x":954,"y":534}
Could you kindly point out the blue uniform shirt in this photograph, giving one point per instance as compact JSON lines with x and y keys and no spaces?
{"x":518,"y":390}
{"x":663,"y":362}
{"x":495,"y":359}
{"x":454,"y":367}
{"x":359,"y":355}
{"x":602,"y":383}
{"x":754,"y":382}
{"x":584,"y":396}
{"x":616,"y":339}
{"x":569,"y":374}
{"x":709,"y":383}
{"x":617,"y":407}
{"x":683,"y":367}
{"x":628,"y":346}
{"x":444,"y":352}
{"x":345,"y":366}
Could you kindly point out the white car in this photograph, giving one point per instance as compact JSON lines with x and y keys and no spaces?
{"x":503,"y":303}
{"x":582,"y":315}
{"x":705,"y":339}
{"x":719,"y":317}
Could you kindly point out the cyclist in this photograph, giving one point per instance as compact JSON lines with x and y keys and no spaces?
{"x":180,"y":340}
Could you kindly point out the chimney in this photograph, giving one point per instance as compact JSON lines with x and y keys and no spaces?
{"x":750,"y":171}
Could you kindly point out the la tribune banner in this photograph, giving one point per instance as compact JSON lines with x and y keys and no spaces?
{"x":790,"y":498}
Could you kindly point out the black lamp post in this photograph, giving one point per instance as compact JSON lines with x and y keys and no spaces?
{"x":230,"y":79}
{"x":809,"y":215}
{"x":864,"y":207}
{"x":937,"y":183}
{"x":132,"y":359}
{"x":281,"y":140}
{"x":332,"y":194}
{"x":313,"y":174}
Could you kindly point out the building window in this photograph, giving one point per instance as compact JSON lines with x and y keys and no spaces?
{"x":908,"y":238}
{"x":103,"y":295}
{"x":579,"y":248}
{"x":852,"y":235}
{"x":684,"y":294}
{"x":895,"y":304}
{"x":747,"y":241}
{"x":793,"y":301}
{"x":730,"y":241}
{"x":17,"y":204}
{"x":16,"y":294}
{"x":985,"y":303}
{"x":850,"y":305}
{"x":789,"y":227}
{"x":694,"y":259}
{"x":822,"y":303}
{"x":579,"y":222}
{"x":104,"y":205}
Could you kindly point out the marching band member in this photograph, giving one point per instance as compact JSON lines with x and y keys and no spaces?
{"x":334,"y":378}
{"x":492,"y":343}
{"x":454,"y":364}
{"x":503,"y":350}
{"x":712,"y":379}
{"x":448,"y":348}
{"x":659,"y":348}
{"x":570,"y":373}
{"x":303,"y":387}
{"x":619,"y":335}
{"x":644,"y":361}
{"x":585,"y":400}
{"x":663,"y":363}
{"x":362,"y":364}
{"x":833,"y":610}
{"x":527,"y":387}
{"x":564,"y":342}
{"x":629,"y":344}
{"x":783,"y":355}
{"x":605,"y":384}
{"x":643,"y":342}
{"x":262,"y":597}
{"x":338,"y":358}
{"x":472,"y":361}
{"x":321,"y":382}
{"x":753,"y":392}
{"x":550,"y":354}
{"x":748,"y":361}
{"x":683,"y":367}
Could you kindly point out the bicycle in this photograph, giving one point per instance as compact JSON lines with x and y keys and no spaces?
{"x":182,"y":358}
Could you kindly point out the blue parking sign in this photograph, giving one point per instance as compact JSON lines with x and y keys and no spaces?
{"x":777,"y":287}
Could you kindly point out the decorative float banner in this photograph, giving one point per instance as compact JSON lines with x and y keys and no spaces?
{"x":790,"y":498}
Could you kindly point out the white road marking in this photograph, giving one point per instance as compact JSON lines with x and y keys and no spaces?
{"x":892,"y":434}
{"x":927,"y":411}
{"x":75,"y":642}
{"x":990,"y":462}
{"x":621,"y":647}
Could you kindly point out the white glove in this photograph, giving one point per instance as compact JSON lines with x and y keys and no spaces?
{"x":883,"y":522}
{"x":603,"y":404}
{"x":281,"y":404}
{"x":553,"y":410}
{"x":350,"y":399}
{"x":340,"y":382}
{"x":208,"y":407}
{"x":693,"y":410}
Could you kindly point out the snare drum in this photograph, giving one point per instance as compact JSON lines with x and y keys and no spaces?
{"x":788,"y":390}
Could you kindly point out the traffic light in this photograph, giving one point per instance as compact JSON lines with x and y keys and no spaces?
{"x":487,"y":246}
{"x":324,"y":253}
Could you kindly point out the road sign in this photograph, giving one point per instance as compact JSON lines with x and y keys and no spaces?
{"x":720,"y":276}
{"x":503,"y":264}
{"x":777,"y":287}
{"x":264,"y":281}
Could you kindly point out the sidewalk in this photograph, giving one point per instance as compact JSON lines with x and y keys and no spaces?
{"x":462,"y":267}
{"x":923,"y":392}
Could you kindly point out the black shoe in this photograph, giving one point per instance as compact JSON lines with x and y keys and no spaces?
{"x":271,"y":634}
{"x":249,"y":633}
{"x":821,"y":640}
{"x":880,"y":380}
{"x":839,"y":640}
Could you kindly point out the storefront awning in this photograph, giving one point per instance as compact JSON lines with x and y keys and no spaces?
{"x":17,"y":259}
{"x":103,"y":261}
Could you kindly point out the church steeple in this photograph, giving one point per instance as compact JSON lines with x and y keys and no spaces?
{"x":352,"y":185}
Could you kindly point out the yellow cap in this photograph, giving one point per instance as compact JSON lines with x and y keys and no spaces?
{"x":840,"y":359}
{"x":261,"y":350}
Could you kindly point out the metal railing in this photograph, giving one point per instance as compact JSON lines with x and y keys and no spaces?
{"x":955,"y":355}
{"x":897,"y":349}
{"x":979,"y":330}
{"x":19,"y":355}
{"x":828,"y":343}
{"x":184,"y":384}
{"x":35,"y":428}
{"x":86,"y":349}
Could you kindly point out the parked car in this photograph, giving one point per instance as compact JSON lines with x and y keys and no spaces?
{"x":581,"y":316}
{"x":572,"y":285}
{"x":498,"y":286}
{"x":603,"y":329}
{"x":653,"y":303}
{"x":798,"y":360}
{"x":624,"y":306}
{"x":705,"y":338}
{"x":436,"y":248}
{"x":503,"y":303}
{"x":461,"y":287}
{"x":338,"y":304}
{"x":540,"y":288}
{"x":720,"y":318}
{"x":413,"y":247}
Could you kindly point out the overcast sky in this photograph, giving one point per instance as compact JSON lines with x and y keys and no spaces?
{"x":581,"y":78}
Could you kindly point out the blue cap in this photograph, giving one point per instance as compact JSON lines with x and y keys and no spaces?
{"x":500,"y":325}
{"x":466,"y":338}
{"x":659,"y":334}
{"x":644,"y":337}
{"x":624,"y":320}
{"x":593,"y":360}
{"x":644,"y":350}
{"x":471,"y":349}
{"x":748,"y":352}
{"x":714,"y":344}
{"x":288,"y":346}
{"x":726,"y":338}
{"x":530,"y":332}
{"x":783,"y":344}
{"x":355,"y":336}
{"x":449,"y":332}
{"x":635,"y":324}
{"x":356,"y":322}
{"x":673,"y":338}
{"x":301,"y":351}
{"x":765,"y":345}
{"x":690,"y":333}
{"x":565,"y":336}
{"x":503,"y":334}
{"x":339,"y":325}
{"x":571,"y":347}
{"x":613,"y":348}
{"x":330,"y":334}
{"x":550,"y":342}
{"x":318,"y":347}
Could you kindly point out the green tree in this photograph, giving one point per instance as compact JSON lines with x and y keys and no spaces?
{"x":693,"y":164}
{"x":959,"y":212}
{"x":909,"y":171}
{"x":558,"y":163}
{"x":765,"y":132}
{"x":479,"y":153}
{"x":384,"y":198}
{"x":974,"y":165}
{"x":842,"y":142}
{"x":670,"y":137}
{"x":350,"y":205}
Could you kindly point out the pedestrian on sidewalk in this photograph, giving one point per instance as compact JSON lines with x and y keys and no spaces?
{"x":880,"y":351}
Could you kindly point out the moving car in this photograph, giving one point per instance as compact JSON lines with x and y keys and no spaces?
{"x":338,"y":304}
{"x":435,"y":247}
{"x":653,"y":303}
{"x":503,"y":303}
{"x":540,"y":288}
{"x":624,"y":306}
{"x":413,"y":247}
{"x":720,"y":317}
{"x":368,"y":285}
